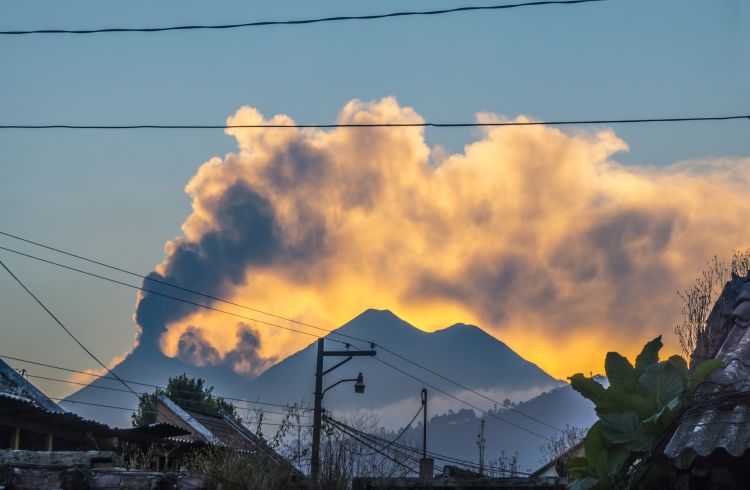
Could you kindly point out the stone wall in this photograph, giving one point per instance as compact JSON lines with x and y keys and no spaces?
{"x":30,"y":478}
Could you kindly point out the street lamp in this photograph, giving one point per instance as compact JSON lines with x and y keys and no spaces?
{"x":359,"y":387}
{"x":359,"y":384}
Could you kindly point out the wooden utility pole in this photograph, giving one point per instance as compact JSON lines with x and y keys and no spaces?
{"x":359,"y":387}
{"x":424,"y":423}
{"x":315,"y":456}
{"x":480,"y":443}
{"x":426,"y":465}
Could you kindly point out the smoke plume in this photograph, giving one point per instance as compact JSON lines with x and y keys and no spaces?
{"x":536,"y":234}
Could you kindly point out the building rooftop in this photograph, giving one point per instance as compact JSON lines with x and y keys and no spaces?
{"x":720,"y":415}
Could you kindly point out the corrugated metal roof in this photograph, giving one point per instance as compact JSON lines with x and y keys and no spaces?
{"x":725,"y":425}
{"x":151,"y":432}
{"x":221,"y":430}
{"x":27,"y":409}
{"x":186,"y":417}
{"x":11,"y":382}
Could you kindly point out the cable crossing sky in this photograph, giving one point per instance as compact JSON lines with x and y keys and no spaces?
{"x":321,"y":329}
{"x":571,"y":122}
{"x":391,"y":366}
{"x":319,"y":20}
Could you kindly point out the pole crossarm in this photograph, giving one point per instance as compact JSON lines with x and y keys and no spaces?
{"x":337,"y":365}
{"x":355,"y":353}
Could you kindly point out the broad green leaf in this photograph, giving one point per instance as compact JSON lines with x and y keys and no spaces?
{"x":586,"y":483}
{"x":649,"y":355}
{"x":625,"y":428}
{"x":657,"y":423}
{"x":595,"y":446}
{"x":639,"y":404}
{"x":619,"y":370}
{"x":617,"y":457}
{"x":703,"y":370}
{"x":649,"y":376}
{"x":670,"y":382}
{"x":681,"y":365}
{"x":622,"y":398}
{"x":589,"y":388}
{"x":574,"y":463}
{"x":665,"y":380}
{"x":582,"y":471}
{"x":619,"y":428}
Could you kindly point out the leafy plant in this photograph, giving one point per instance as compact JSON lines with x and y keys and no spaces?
{"x":634,"y":410}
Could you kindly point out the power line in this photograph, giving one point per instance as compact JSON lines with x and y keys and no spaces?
{"x":403,"y":431}
{"x":114,"y":407}
{"x":173,"y":398}
{"x":166,"y":283}
{"x":456,"y":383}
{"x":52,"y":366}
{"x":296,"y":22}
{"x":52,"y":315}
{"x":438,"y":456}
{"x":387,"y":442}
{"x":579,"y":122}
{"x":344,"y":429}
{"x":157,"y":293}
{"x":485,"y":412}
{"x":460,"y":385}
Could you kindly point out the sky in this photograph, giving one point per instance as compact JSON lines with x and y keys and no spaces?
{"x":444,"y":223}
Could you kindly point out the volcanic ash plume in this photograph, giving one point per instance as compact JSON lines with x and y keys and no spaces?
{"x":533,"y":233}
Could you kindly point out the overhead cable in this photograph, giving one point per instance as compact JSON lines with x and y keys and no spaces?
{"x":100,"y":376}
{"x":318,"y":20}
{"x":576,"y":122}
{"x":57,"y":320}
{"x":101,"y":405}
{"x":345,"y":430}
{"x":328,"y":331}
{"x":437,"y":456}
{"x":176,"y":399}
{"x":157,"y":293}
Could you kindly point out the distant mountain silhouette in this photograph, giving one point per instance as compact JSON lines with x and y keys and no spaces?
{"x":147,"y":365}
{"x":455,"y":433}
{"x":462,"y":352}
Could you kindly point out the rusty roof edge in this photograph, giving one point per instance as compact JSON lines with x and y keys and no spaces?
{"x":188,"y":419}
{"x":37,"y":396}
{"x":714,"y":429}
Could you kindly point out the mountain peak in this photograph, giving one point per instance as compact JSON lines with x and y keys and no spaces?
{"x":378,"y":325}
{"x":375,"y":314}
{"x":465,"y":329}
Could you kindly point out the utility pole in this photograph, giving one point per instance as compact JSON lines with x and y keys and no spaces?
{"x":426,"y":465}
{"x":359,"y":387}
{"x":424,"y":423}
{"x":480,"y":443}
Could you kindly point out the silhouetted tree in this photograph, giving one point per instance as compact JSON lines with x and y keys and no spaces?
{"x":188,"y":393}
{"x":700,"y":298}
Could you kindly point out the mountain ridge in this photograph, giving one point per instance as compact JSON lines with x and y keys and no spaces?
{"x":461,"y":351}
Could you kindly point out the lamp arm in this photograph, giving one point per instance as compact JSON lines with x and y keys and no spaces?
{"x":336,"y":384}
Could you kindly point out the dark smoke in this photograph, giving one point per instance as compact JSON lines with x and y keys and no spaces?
{"x":246,"y":234}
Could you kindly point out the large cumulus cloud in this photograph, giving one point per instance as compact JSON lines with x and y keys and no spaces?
{"x":536,"y":234}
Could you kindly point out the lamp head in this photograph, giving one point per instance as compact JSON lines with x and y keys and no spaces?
{"x":359,"y":385}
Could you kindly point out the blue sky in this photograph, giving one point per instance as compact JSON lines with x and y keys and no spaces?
{"x":119,"y":196}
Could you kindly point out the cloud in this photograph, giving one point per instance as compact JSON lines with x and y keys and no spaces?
{"x":193,"y":347}
{"x":536,"y":234}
